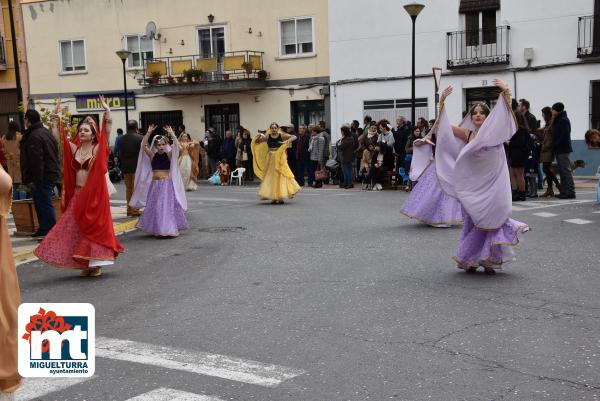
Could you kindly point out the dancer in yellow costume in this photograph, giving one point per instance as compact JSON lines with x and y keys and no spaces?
{"x":271,"y":165}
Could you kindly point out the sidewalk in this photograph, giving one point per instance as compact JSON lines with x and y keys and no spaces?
{"x":23,"y":246}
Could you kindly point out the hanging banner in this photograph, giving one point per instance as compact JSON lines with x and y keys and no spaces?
{"x":116,"y":101}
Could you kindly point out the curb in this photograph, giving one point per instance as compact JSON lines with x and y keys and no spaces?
{"x":27,"y":255}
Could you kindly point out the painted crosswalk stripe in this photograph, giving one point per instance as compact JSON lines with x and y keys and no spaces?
{"x":598,"y":211}
{"x":545,"y":214}
{"x":225,"y":367}
{"x":36,"y":388}
{"x":169,"y":394}
{"x":579,"y":221}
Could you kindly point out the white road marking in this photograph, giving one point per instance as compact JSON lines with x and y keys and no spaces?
{"x":545,"y":205}
{"x":579,"y":221}
{"x":169,"y":394}
{"x":36,"y":388}
{"x":545,"y":214}
{"x":598,"y":211}
{"x":193,"y":198}
{"x":245,"y":371}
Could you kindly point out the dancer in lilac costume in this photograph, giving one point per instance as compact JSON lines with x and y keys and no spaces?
{"x":159,"y":187}
{"x":471,"y":166}
{"x":427,"y":202}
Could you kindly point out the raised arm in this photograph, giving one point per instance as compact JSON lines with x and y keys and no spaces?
{"x":146,"y":140}
{"x":106,"y":118}
{"x":461,"y":133}
{"x":55,"y":126}
{"x":171,"y":133}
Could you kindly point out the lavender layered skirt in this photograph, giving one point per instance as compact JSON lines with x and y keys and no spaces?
{"x":488,"y":248}
{"x":429,"y":204}
{"x":163,"y":215}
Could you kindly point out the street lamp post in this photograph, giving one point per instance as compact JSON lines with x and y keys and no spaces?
{"x":413,"y":9}
{"x":123,"y":55}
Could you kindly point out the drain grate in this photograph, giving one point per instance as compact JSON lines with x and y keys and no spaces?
{"x":218,"y":230}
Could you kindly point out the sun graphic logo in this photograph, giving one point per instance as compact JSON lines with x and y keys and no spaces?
{"x":56,"y":340}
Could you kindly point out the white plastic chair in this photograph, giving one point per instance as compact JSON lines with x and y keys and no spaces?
{"x":239,"y":174}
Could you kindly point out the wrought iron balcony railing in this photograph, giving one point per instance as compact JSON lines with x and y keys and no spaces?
{"x":238,"y":65}
{"x":478,"y":47}
{"x":588,"y":36}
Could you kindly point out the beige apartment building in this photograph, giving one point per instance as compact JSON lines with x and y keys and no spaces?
{"x":203,"y":63}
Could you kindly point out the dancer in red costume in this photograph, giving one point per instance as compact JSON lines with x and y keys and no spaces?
{"x":84,"y":237}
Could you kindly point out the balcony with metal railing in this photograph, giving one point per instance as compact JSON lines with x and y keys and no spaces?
{"x":478,"y":47}
{"x":229,"y":71}
{"x":588,"y":36}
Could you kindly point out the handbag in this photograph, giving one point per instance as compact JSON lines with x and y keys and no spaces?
{"x":215,"y":179}
{"x":321,"y":175}
{"x":244,"y":156}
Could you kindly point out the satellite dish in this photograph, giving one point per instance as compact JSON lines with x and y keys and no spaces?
{"x":151,"y":30}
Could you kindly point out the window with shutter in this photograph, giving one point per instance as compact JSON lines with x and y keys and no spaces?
{"x":72,"y":55}
{"x":296,"y":36}
{"x":488,"y":26}
{"x":141,"y":49}
{"x":472,"y":29}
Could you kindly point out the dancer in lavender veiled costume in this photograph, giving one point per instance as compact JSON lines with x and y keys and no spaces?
{"x":159,"y":187}
{"x":471,"y":166}
{"x":427,"y":202}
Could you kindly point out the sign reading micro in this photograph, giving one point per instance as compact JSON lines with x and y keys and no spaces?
{"x":116,"y":101}
{"x":56,"y":340}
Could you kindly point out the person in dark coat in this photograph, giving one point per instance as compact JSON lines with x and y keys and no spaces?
{"x":245,"y":150}
{"x":40,"y":168}
{"x":381,"y":162}
{"x":345,"y":149}
{"x":561,"y":145}
{"x":129,"y":150}
{"x":518,"y":152}
{"x":401,"y":135}
{"x":302,"y":155}
{"x":291,"y":151}
{"x":213,"y":150}
{"x":229,"y":149}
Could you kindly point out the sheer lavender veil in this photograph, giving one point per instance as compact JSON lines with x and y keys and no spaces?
{"x":143,"y":176}
{"x":477,"y":173}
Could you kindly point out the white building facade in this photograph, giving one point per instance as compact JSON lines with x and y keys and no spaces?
{"x":546,"y":50}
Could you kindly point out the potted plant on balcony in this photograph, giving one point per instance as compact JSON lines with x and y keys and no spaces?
{"x":262,"y":75}
{"x":197,"y":73}
{"x":248,"y":67}
{"x":171,"y":80}
{"x":180,"y":79}
{"x":154,"y":78}
{"x":189,"y":75}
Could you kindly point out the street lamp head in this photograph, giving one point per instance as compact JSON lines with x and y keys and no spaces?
{"x":123,"y":54}
{"x":413,"y":9}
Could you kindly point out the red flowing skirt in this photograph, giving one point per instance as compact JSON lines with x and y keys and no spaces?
{"x":66,"y":247}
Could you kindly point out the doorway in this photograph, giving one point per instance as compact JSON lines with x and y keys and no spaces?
{"x":307,"y":112}
{"x":488,"y":95}
{"x":222,"y":117}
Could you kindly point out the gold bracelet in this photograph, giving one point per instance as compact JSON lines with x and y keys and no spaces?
{"x":109,"y":120}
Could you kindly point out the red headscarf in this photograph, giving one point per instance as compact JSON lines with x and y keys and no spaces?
{"x":92,"y":211}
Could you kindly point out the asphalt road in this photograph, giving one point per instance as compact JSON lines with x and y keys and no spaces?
{"x":348,"y":298}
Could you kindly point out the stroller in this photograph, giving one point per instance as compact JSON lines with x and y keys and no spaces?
{"x":335,"y":171}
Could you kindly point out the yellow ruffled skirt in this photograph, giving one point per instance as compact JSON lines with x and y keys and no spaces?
{"x":276,"y":186}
